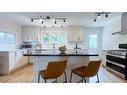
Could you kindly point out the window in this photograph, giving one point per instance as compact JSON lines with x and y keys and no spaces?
{"x":10,"y":38}
{"x":93,"y":41}
{"x":2,"y":37}
{"x":7,"y":38}
{"x":53,"y":37}
{"x":45,"y":38}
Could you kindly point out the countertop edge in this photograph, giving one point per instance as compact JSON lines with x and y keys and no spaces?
{"x":60,"y":54}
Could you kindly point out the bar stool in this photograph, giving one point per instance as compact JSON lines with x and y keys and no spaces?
{"x":87,"y":71}
{"x":54,"y":70}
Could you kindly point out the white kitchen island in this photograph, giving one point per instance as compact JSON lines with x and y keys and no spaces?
{"x":74,"y":60}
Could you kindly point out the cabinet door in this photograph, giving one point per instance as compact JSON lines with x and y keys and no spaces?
{"x":31,"y":34}
{"x":73,"y":36}
{"x":12,"y":60}
{"x":81,"y":35}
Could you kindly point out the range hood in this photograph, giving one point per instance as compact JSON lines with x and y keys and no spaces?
{"x":123,"y":25}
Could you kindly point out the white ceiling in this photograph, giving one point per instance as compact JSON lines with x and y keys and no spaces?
{"x":73,"y":18}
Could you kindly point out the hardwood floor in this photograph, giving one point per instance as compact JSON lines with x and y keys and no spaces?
{"x":25,"y":75}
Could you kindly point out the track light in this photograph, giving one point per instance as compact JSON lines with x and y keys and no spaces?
{"x":42,"y":22}
{"x":53,"y":19}
{"x":32,"y":20}
{"x":95,"y":20}
{"x":106,"y":15}
{"x":63,"y":20}
{"x":99,"y":14}
{"x":55,"y":22}
{"x":48,"y":17}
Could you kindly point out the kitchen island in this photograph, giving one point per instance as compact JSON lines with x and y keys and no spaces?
{"x":41,"y":60}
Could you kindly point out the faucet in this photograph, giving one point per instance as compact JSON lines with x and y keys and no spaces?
{"x":53,"y":47}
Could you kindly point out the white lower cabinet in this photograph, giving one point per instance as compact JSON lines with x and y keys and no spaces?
{"x":12,"y":60}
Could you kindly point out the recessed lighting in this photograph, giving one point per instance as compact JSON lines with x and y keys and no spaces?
{"x":61,"y":26}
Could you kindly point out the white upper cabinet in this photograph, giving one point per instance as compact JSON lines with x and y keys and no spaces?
{"x":76,"y":34}
{"x":31,"y":34}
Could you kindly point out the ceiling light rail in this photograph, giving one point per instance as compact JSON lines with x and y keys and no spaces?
{"x":53,"y":19}
{"x":99,"y":14}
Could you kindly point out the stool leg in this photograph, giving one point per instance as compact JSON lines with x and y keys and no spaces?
{"x":45,"y":80}
{"x":38,"y":78}
{"x":56,"y":80}
{"x":97,"y":79}
{"x":84,"y":79}
{"x":65,"y":76}
{"x":71,"y":77}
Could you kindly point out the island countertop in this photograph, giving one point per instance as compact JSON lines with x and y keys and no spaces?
{"x":58,"y":54}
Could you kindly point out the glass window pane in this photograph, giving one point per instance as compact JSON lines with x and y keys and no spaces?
{"x":61,"y":38}
{"x":54,"y":38}
{"x":45,"y":38}
{"x":2,"y":37}
{"x":93,"y":41}
{"x":10,"y":38}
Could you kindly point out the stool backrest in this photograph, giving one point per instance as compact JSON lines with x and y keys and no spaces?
{"x":92,"y":68}
{"x":55,"y":69}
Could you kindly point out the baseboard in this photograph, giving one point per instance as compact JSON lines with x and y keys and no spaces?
{"x":17,"y":68}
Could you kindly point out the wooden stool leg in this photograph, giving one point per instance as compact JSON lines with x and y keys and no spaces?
{"x":71,"y":77}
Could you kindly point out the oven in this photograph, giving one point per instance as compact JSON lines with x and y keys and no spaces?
{"x":116,"y":62}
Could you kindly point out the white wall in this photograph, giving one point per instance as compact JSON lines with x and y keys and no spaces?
{"x":9,"y":26}
{"x":110,"y":41}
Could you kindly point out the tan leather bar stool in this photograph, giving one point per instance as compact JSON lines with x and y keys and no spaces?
{"x":87,"y":71}
{"x":54,"y":70}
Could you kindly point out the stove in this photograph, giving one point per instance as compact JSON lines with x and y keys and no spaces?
{"x":117,"y":52}
{"x":116,"y":61}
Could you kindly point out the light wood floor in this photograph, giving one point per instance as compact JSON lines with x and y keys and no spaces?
{"x":25,"y":75}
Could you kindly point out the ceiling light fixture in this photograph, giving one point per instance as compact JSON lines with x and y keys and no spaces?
{"x":53,"y":19}
{"x":99,"y":14}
